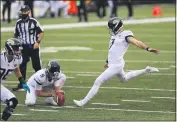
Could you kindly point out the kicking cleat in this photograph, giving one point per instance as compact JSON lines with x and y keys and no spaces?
{"x":78,"y":103}
{"x":151,"y":69}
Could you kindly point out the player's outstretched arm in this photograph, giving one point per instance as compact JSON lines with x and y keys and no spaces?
{"x":141,"y":45}
{"x":21,"y":80}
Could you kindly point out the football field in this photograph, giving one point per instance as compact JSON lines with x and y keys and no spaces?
{"x":82,"y":52}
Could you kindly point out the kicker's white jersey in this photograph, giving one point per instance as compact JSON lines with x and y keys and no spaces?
{"x":6,"y":67}
{"x":39,"y":80}
{"x":118,"y":46}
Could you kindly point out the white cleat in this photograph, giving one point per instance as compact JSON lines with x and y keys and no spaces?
{"x":78,"y":103}
{"x":50,"y":102}
{"x":151,"y":69}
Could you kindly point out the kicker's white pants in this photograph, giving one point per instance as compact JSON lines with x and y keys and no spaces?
{"x":6,"y":94}
{"x":112,"y":70}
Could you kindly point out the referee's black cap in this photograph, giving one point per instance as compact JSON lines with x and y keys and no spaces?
{"x":25,"y":8}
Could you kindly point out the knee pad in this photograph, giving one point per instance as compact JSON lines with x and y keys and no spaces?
{"x":12,"y":103}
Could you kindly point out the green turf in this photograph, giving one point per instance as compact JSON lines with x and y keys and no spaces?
{"x":160,"y":36}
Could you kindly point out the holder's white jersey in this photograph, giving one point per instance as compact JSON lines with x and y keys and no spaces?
{"x":118,"y":46}
{"x":6,"y":67}
{"x":39,"y":80}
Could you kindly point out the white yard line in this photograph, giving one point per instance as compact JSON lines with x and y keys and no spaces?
{"x":43,"y":110}
{"x":162,"y":68}
{"x":134,"y":101}
{"x":16,"y":114}
{"x":173,"y":66}
{"x":97,"y":73}
{"x":164,"y":98}
{"x":92,"y":60}
{"x":74,"y":107}
{"x":161,"y":74}
{"x":120,"y":88}
{"x":96,"y":24}
{"x":86,"y":75}
{"x":129,"y":110}
{"x":104,"y":104}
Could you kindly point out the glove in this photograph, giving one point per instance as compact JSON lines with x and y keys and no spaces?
{"x":25,"y":86}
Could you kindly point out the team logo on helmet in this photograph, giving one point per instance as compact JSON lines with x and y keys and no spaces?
{"x":10,"y":41}
{"x":115,"y":21}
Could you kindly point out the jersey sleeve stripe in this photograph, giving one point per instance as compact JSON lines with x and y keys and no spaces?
{"x":37,"y":82}
{"x":127,"y":37}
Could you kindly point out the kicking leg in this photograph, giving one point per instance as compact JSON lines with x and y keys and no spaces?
{"x":123,"y":77}
{"x":107,"y":74}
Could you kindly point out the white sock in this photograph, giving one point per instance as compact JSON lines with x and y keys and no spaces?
{"x":132,"y":74}
{"x":91,"y":93}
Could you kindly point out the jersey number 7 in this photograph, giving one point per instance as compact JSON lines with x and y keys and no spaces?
{"x":112,"y":43}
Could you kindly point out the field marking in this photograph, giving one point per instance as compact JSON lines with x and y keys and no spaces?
{"x":162,"y":68}
{"x":68,"y":48}
{"x":16,"y":114}
{"x":79,"y":48}
{"x":120,"y":88}
{"x":43,"y":110}
{"x":104,"y":104}
{"x":173,"y":66}
{"x":90,"y":75}
{"x":101,"y":35}
{"x":98,"y":42}
{"x":134,"y":101}
{"x":164,"y":98}
{"x":123,"y":88}
{"x":96,"y":24}
{"x":75,"y":107}
{"x":92,"y":60}
{"x":130,"y":110}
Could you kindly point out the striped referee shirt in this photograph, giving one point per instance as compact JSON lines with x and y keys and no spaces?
{"x":27,"y":30}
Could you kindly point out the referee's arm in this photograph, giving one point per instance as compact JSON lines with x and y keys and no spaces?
{"x":16,"y":32}
{"x":40,"y":31}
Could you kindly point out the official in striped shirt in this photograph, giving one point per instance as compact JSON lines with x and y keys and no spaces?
{"x":31,"y":33}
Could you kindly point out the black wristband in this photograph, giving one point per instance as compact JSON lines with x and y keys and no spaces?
{"x":107,"y":61}
{"x":147,"y":48}
{"x":38,"y":41}
{"x":21,"y":80}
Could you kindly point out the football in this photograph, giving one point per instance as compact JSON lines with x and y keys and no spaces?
{"x":60,"y":98}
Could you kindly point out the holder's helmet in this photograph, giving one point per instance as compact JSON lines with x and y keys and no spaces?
{"x":53,"y":70}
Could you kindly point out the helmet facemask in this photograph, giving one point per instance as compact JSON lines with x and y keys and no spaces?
{"x":13,"y":51}
{"x":114,"y":26}
{"x":52,"y":72}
